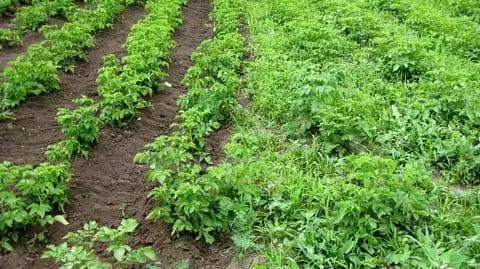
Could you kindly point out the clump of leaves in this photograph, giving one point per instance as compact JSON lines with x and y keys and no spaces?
{"x":81,"y":128}
{"x":28,"y":196}
{"x":6,"y":115}
{"x":80,"y":248}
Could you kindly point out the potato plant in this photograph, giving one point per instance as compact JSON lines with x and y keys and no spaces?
{"x":81,"y":128}
{"x":79,"y":250}
{"x":28,"y":197}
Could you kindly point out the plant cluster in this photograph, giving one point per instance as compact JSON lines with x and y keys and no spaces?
{"x":174,"y":160}
{"x":81,"y":127}
{"x":28,"y":197}
{"x":124,"y":83}
{"x":80,"y":248}
{"x":36,"y":71}
{"x":29,"y":18}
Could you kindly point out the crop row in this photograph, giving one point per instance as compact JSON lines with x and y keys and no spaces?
{"x":29,"y":18}
{"x":36,"y":71}
{"x":123,"y":84}
{"x":176,"y":160}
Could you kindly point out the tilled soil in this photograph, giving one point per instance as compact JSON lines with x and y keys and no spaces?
{"x":109,"y":186}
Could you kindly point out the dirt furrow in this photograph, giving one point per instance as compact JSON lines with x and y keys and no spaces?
{"x":25,"y":139}
{"x":109,"y":186}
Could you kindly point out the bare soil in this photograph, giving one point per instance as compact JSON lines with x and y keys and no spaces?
{"x":109,"y":186}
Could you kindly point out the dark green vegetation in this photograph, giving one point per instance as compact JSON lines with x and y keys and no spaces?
{"x":5,"y":5}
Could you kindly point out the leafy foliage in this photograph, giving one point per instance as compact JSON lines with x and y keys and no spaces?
{"x":28,"y":196}
{"x":5,"y":5}
{"x":79,"y":249}
{"x":81,"y":128}
{"x":362,"y":119}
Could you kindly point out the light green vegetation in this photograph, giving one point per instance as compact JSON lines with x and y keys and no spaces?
{"x":81,"y":127}
{"x":124,"y":83}
{"x":79,"y":250}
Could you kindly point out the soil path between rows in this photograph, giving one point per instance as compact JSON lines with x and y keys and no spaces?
{"x":109,"y":186}
{"x":25,"y":139}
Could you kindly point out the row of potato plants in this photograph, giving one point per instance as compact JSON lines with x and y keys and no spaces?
{"x":334,"y":166}
{"x":30,"y":18}
{"x":176,"y":160}
{"x":122,"y":84}
{"x":36,"y":71}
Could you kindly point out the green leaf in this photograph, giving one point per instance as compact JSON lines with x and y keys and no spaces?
{"x":61,"y":219}
{"x":347,"y":246}
{"x":119,"y":253}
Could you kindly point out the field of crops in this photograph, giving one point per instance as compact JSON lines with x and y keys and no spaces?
{"x":239,"y":134}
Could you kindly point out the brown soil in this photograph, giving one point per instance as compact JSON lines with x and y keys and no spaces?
{"x":215,"y":143}
{"x":109,"y":186}
{"x":5,"y":21}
